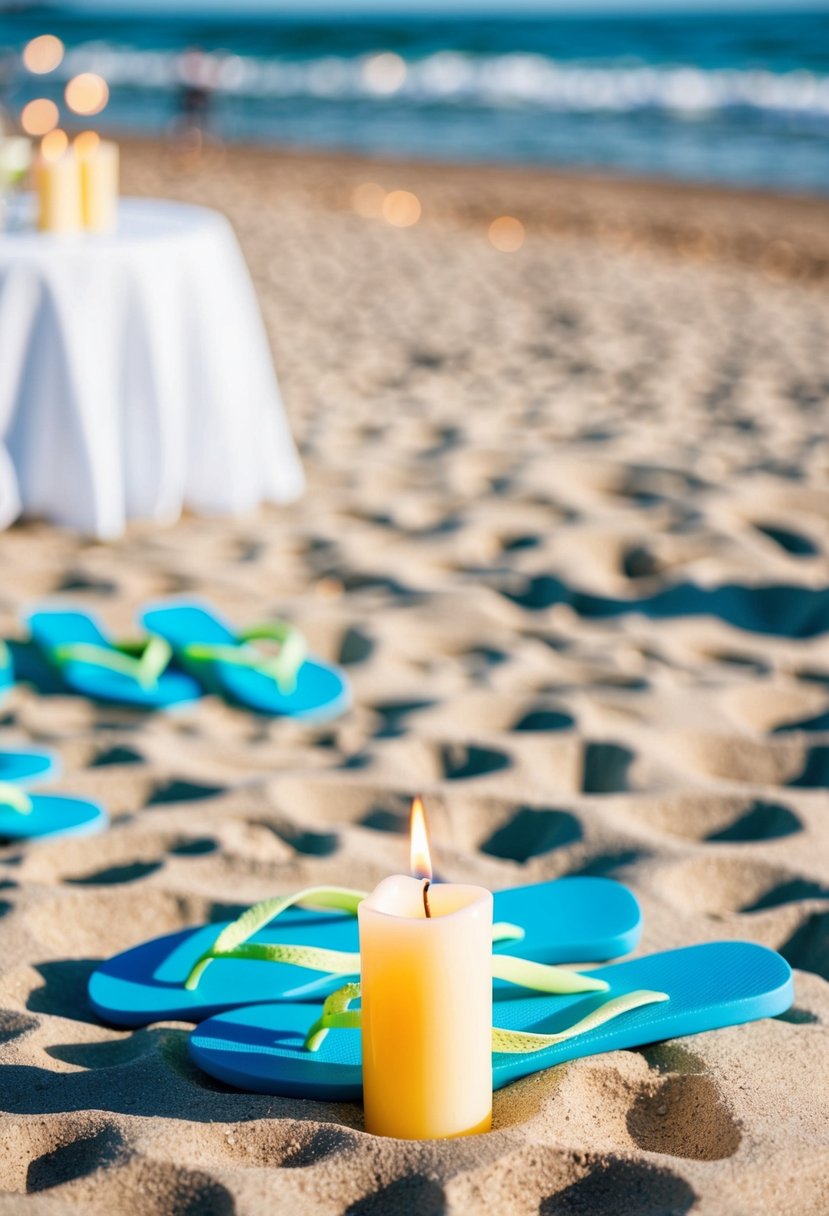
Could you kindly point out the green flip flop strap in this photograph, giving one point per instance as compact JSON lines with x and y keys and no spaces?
{"x":339,"y":899}
{"x":236,"y":934}
{"x":16,"y":799}
{"x":335,"y":962}
{"x":503,"y":931}
{"x":543,"y":977}
{"x":520,"y":1041}
{"x":538,"y":976}
{"x":282,"y":668}
{"x":142,"y":661}
{"x":336,"y":1015}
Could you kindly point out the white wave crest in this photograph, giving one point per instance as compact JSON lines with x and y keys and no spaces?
{"x":449,"y":77}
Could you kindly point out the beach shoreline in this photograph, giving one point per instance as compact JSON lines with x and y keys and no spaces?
{"x":783,"y":235}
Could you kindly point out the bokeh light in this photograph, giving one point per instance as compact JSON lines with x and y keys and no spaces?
{"x":43,"y":54}
{"x":39,"y":116}
{"x":401,"y":208}
{"x":367,"y":200}
{"x":87,"y":93}
{"x":384,"y":73}
{"x":506,"y":234}
{"x":53,"y":145}
{"x":86,"y":143}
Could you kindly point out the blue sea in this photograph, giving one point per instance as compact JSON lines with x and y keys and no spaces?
{"x":740,"y":99}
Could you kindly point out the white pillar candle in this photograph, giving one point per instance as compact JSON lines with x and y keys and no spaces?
{"x":426,"y":1009}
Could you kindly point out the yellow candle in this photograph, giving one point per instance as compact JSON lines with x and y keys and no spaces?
{"x":98,"y":160}
{"x":427,"y":1009}
{"x":57,"y":185}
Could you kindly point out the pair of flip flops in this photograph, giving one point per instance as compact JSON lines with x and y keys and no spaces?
{"x":190,"y":649}
{"x":266,"y":1032}
{"x":28,"y":816}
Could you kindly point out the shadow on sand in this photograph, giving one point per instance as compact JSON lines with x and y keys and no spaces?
{"x":784,"y":611}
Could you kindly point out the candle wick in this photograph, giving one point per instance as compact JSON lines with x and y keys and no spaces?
{"x":426,"y":908}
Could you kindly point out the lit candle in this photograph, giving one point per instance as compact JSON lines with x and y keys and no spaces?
{"x":98,"y":161}
{"x":426,"y":978}
{"x":57,"y":185}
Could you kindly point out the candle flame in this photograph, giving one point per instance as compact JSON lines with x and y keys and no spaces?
{"x":420,"y":855}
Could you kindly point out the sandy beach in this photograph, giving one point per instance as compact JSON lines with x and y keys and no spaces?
{"x":554,"y":499}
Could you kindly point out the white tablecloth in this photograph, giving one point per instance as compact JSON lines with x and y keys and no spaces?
{"x":135,"y":375}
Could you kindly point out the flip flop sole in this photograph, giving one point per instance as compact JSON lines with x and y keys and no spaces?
{"x":25,"y":766}
{"x":53,"y":815}
{"x":173,"y":689}
{"x":261,"y":1048}
{"x":321,"y":692}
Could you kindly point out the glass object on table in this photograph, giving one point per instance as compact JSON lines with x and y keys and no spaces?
{"x":15,"y":161}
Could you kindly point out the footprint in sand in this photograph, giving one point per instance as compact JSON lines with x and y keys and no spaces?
{"x":614,"y":1184}
{"x":808,"y":947}
{"x":532,"y":832}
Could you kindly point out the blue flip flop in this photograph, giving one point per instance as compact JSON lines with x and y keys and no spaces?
{"x":289,"y":1051}
{"x":37,"y":816}
{"x":287,"y":683}
{"x":26,"y":765}
{"x":230,"y":964}
{"x":134,"y":674}
{"x":6,"y":669}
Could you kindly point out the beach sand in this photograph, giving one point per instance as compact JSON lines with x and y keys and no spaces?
{"x":510,"y":458}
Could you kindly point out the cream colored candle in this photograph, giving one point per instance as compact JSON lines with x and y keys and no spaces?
{"x":427,"y":1009}
{"x":98,"y":161}
{"x":57,"y":185}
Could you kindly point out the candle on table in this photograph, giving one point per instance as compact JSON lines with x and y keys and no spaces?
{"x":426,"y":978}
{"x":57,"y":185}
{"x":98,"y":162}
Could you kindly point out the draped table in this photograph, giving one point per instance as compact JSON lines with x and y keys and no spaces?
{"x":135,"y":375}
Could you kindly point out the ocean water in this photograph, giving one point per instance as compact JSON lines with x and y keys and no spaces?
{"x":740,"y":99}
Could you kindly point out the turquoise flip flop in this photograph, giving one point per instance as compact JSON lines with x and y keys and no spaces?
{"x":288,"y":682}
{"x":6,"y":669}
{"x":197,"y":972}
{"x":129,"y":673}
{"x":26,"y":765}
{"x":288,"y":1051}
{"x":36,"y":816}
